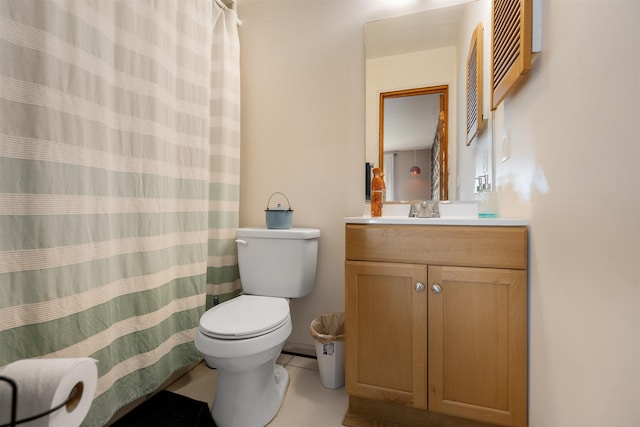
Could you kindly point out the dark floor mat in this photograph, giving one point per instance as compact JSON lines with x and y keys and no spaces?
{"x":167,"y":409}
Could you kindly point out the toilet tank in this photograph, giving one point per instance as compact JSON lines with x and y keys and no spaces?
{"x":278,"y":262}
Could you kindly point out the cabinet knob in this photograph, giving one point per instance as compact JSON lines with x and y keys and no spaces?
{"x":436,"y":288}
{"x":419,"y":286}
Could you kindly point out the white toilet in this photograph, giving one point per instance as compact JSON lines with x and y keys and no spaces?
{"x":243,"y":337}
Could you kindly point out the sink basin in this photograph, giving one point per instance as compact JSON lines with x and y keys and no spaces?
{"x":447,"y":209}
{"x":458,"y":209}
{"x":451,"y":213}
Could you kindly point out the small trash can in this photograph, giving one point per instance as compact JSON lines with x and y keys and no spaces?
{"x":328,"y":332}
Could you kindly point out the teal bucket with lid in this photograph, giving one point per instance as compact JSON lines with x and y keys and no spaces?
{"x":279,"y":217}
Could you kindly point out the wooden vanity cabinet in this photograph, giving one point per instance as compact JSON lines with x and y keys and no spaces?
{"x":436,"y":323}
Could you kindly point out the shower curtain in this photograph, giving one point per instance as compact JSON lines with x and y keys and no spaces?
{"x":119,"y":184}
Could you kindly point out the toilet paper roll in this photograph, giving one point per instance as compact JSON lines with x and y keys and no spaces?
{"x":46,"y":383}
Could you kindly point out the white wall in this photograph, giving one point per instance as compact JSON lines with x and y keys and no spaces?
{"x":572,"y":173}
{"x":303,"y":130}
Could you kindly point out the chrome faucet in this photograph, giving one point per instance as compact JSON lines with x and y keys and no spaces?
{"x":424,"y":209}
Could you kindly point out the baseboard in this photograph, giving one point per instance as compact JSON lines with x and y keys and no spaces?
{"x":291,"y":353}
{"x":299,"y":349}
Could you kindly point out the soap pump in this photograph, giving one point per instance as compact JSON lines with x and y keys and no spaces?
{"x":486,"y":198}
{"x":480,"y":184}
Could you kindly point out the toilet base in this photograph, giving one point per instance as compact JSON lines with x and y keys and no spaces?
{"x":251,"y":398}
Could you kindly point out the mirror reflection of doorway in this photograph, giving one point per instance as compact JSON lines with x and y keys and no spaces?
{"x":413,"y":137}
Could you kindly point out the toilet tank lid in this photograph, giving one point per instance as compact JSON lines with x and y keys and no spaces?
{"x":277,"y":233}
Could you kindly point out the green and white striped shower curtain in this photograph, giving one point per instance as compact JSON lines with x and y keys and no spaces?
{"x":119,"y":183}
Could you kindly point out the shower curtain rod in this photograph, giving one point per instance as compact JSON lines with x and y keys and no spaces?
{"x":223,"y":5}
{"x":232,"y":6}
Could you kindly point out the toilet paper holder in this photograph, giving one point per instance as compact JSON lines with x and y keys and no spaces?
{"x":71,"y":403}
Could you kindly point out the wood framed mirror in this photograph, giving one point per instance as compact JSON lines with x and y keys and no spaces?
{"x":413,"y":143}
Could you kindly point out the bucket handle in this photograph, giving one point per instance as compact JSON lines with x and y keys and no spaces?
{"x":277,"y":192}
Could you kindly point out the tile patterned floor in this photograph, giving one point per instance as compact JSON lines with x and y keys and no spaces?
{"x":306,"y":403}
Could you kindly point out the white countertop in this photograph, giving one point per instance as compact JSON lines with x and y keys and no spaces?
{"x":405,"y":220}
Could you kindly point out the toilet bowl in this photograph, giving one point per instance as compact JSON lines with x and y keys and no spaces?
{"x":244,"y":336}
{"x":251,"y":386}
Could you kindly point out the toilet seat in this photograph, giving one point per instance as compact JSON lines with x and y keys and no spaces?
{"x":246,"y":316}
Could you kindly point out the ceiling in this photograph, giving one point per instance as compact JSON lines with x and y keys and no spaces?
{"x":428,"y":29}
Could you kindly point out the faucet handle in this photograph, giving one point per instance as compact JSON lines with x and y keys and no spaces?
{"x":414,"y":209}
{"x":429,"y":209}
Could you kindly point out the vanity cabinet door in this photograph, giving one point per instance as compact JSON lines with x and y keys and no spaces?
{"x":386,"y":335}
{"x":477,"y":338}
